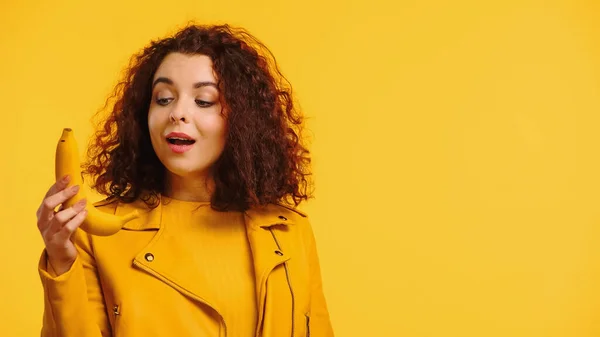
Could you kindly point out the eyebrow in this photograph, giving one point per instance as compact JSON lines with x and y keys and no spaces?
{"x":196,"y":85}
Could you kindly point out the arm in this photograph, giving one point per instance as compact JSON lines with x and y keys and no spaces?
{"x":73,"y":301}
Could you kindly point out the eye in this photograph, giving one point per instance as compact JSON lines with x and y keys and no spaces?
{"x":203,"y":104}
{"x":164,"y":101}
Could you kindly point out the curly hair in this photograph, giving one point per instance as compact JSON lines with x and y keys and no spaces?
{"x":264,"y":160}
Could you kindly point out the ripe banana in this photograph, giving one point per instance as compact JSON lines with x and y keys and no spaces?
{"x":67,"y":162}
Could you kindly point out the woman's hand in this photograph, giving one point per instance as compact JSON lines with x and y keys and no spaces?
{"x":57,"y":227}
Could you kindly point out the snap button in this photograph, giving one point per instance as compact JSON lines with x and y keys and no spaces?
{"x":278,"y":252}
{"x":149,"y":257}
{"x":282,"y":218}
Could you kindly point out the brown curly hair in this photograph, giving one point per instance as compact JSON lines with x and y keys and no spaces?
{"x":264,"y":160}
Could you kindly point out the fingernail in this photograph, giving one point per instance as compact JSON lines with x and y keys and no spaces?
{"x":81,"y":203}
{"x":66,"y":178}
{"x":75,"y":188}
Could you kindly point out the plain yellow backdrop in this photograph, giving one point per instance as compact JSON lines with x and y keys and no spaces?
{"x":456,"y":149}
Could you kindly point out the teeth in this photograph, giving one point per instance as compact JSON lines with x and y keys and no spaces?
{"x":180,"y":141}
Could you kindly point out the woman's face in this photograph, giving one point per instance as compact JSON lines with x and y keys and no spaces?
{"x":187,"y":127}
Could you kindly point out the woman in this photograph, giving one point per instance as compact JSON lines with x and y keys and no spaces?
{"x":204,"y":140}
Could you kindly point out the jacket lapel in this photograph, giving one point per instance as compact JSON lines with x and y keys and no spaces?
{"x":166,"y":256}
{"x":268,"y":255}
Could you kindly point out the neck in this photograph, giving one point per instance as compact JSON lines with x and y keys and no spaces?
{"x":198,"y":188}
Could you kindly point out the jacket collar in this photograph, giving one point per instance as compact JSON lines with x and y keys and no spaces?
{"x":256,"y":217}
{"x":270,"y":215}
{"x":266,"y":251}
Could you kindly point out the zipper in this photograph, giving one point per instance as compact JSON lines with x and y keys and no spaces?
{"x":151,"y":272}
{"x":117,"y":314}
{"x":262,"y":294}
{"x":289,"y":281}
{"x":307,"y":324}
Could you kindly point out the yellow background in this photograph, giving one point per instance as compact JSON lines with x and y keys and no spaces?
{"x":456,"y":149}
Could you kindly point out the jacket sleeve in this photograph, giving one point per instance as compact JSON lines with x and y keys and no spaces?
{"x":73,"y":302}
{"x":319,"y":320}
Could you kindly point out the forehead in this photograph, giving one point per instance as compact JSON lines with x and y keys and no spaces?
{"x":186,"y":68}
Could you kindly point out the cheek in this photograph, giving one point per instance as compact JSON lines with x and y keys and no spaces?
{"x":222,"y":132}
{"x":216,"y":128}
{"x":153,"y":123}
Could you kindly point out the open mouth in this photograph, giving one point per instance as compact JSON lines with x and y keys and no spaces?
{"x":180,"y":141}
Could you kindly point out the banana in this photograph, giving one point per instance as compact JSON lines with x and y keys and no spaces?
{"x":67,"y":162}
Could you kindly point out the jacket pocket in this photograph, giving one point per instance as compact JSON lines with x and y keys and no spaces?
{"x":307,"y":315}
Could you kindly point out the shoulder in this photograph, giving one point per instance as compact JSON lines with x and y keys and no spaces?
{"x":274,"y":214}
{"x":287,"y":213}
{"x":289,"y":209}
{"x":299,"y":221}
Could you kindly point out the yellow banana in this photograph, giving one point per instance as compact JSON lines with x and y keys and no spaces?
{"x":67,"y":162}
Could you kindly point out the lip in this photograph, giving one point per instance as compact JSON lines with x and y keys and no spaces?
{"x":179,"y":148}
{"x":179,"y":135}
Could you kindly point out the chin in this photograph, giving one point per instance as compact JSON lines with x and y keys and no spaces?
{"x":186,"y":165}
{"x":188,"y":171}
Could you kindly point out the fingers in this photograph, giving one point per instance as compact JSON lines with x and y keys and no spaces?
{"x":49,"y":204}
{"x":57,"y":186}
{"x":69,"y":228}
{"x":63,"y":217}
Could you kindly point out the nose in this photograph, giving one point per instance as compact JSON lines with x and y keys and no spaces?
{"x":179,"y":113}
